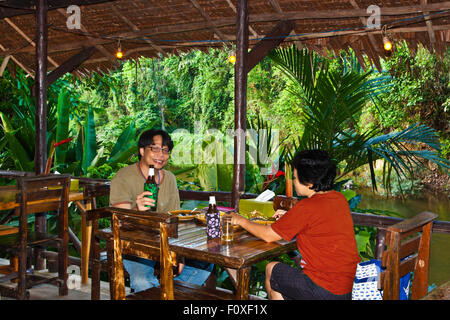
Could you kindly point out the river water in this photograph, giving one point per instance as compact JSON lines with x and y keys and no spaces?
{"x":412,"y":205}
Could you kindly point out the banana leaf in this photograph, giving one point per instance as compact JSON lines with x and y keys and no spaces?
{"x":62,"y":128}
{"x":125,"y":146}
{"x":90,"y":142}
{"x":17,"y":151}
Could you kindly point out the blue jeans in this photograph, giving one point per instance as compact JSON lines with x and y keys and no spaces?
{"x":142,"y":276}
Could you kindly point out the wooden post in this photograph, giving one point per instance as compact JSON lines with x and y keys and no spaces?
{"x":240,"y":101}
{"x":40,"y":155}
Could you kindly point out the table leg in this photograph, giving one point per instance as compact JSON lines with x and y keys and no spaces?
{"x":242,"y":283}
{"x":96,"y":266}
{"x":86,"y":229}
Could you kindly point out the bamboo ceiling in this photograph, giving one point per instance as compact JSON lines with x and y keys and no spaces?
{"x":148,"y":28}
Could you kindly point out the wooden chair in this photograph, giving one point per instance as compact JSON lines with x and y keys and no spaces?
{"x":13,"y":265}
{"x":8,"y":230}
{"x":38,"y":194}
{"x":408,"y":250}
{"x":142,"y":235}
{"x":91,"y":192}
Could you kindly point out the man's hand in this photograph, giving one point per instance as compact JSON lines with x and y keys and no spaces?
{"x":143,"y":202}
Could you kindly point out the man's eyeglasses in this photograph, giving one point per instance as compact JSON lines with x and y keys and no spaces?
{"x":157,"y":149}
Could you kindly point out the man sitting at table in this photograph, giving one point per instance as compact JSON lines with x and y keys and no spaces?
{"x":127,"y":191}
{"x":323,"y":227}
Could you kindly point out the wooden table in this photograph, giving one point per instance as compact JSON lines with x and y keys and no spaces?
{"x":243,"y":252}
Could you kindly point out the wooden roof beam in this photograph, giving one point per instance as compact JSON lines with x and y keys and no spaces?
{"x":11,"y":9}
{"x":69,"y":65}
{"x":4,"y":64}
{"x":80,"y":44}
{"x":271,"y":41}
{"x":135,"y":28}
{"x":29,"y":72}
{"x":429,"y":25}
{"x":19,"y":31}
{"x":372,"y":40}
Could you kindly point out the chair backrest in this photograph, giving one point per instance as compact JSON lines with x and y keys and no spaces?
{"x":41,"y":194}
{"x":407,"y":250}
{"x":284,"y":203}
{"x":93,"y":190}
{"x":140,"y":234}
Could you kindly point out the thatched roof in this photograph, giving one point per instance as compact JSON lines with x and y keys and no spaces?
{"x":148,"y":27}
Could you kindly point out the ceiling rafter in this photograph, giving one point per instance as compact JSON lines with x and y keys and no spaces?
{"x":135,"y":28}
{"x":429,"y":24}
{"x":372,"y":41}
{"x":16,"y":8}
{"x":29,"y":72}
{"x":233,"y":7}
{"x":99,"y":47}
{"x":205,"y":16}
{"x":23,"y":35}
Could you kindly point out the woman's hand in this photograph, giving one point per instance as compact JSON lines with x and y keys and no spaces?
{"x":278,"y":214}
{"x":143,"y":203}
{"x":236,"y":218}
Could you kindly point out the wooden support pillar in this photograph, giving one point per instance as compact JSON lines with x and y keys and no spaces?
{"x":40,"y":155}
{"x":240,"y":101}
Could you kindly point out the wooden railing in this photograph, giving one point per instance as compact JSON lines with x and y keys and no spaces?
{"x":359,"y":219}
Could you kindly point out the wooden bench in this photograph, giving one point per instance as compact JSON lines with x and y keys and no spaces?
{"x":441,"y":292}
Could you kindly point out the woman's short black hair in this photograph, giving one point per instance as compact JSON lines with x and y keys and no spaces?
{"x":146,"y":139}
{"x":315,"y":167}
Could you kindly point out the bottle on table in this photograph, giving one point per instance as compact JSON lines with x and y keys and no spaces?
{"x":212,"y":217}
{"x":151,"y":185}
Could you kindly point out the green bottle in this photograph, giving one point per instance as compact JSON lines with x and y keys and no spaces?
{"x":151,"y":185}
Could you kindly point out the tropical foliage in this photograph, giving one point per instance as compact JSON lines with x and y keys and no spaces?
{"x":333,"y":100}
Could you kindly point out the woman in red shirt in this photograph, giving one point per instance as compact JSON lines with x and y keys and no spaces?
{"x":323,"y":228}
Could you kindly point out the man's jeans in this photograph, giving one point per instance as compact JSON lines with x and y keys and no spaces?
{"x":141,"y":272}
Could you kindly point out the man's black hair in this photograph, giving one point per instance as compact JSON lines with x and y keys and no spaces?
{"x":315,"y":167}
{"x":146,"y":139}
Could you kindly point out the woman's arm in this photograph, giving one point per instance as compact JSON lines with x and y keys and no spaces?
{"x":261,"y":231}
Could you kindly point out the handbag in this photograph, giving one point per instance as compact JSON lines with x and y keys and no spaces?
{"x":365,"y":285}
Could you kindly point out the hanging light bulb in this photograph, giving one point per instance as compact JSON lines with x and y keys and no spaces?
{"x":387,"y":44}
{"x":119,"y":53}
{"x":232,"y":57}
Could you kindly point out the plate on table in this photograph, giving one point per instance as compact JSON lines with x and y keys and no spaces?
{"x":184,"y":215}
{"x":258,"y":217}
{"x":201,"y":218}
{"x":263,"y":221}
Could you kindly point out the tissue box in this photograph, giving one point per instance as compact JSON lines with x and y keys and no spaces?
{"x":248,"y":205}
